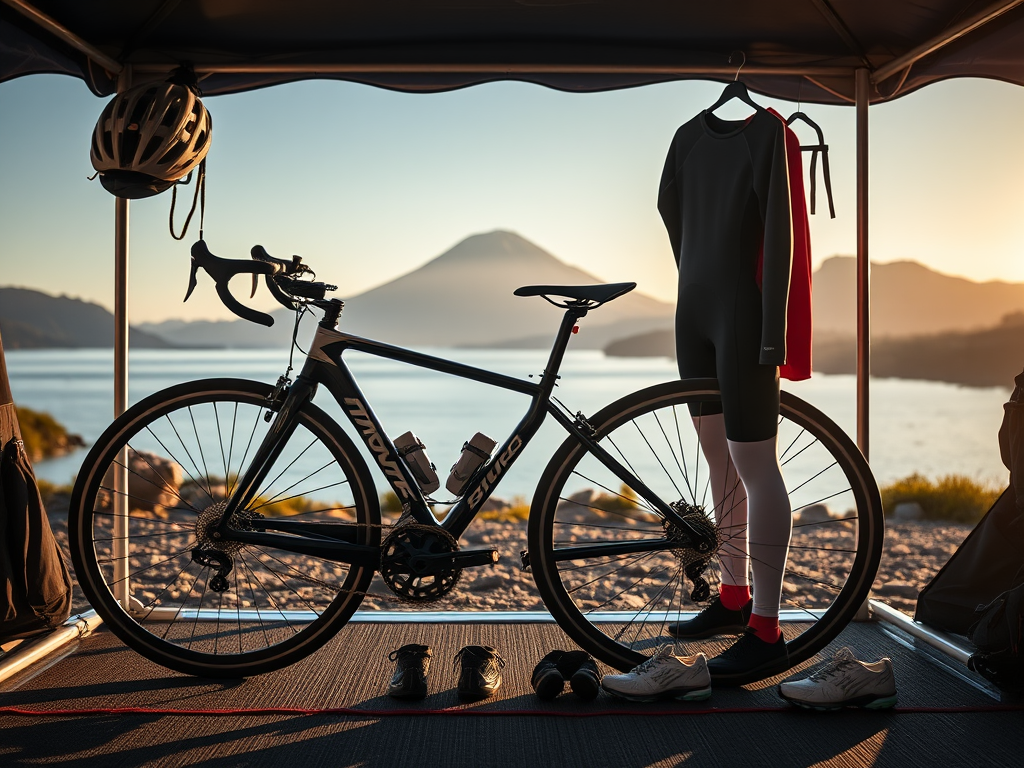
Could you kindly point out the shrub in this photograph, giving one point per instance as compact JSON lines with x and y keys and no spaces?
{"x":625,"y":501}
{"x":44,"y":436}
{"x":518,"y":510}
{"x":389,"y":502}
{"x":955,"y":498}
{"x":49,"y":491}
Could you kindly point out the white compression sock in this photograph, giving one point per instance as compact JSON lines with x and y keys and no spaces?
{"x":729,"y":498}
{"x":770,"y":520}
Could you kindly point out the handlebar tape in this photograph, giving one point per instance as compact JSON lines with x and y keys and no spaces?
{"x":222,"y":270}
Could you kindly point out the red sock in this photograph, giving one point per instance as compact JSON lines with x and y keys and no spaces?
{"x":733,"y":597}
{"x":765,"y":627}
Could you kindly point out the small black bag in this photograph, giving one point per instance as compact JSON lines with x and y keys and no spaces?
{"x":998,"y":634}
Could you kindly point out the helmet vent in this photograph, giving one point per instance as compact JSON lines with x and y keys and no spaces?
{"x":151,"y":148}
{"x":172,"y":154}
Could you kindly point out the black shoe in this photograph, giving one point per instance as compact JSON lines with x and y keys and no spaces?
{"x":579,"y":669}
{"x":750,"y":655}
{"x":548,"y":680}
{"x":715,"y":619}
{"x":480,"y":677}
{"x":410,"y":678}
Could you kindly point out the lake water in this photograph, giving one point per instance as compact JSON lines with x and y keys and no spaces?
{"x":916,"y":426}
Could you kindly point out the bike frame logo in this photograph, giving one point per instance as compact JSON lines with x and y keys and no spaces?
{"x":359,"y":416}
{"x":500,"y":465}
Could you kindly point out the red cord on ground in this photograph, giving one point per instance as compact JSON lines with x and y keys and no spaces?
{"x":354,"y":712}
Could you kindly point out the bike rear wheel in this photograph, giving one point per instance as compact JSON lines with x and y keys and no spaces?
{"x":146,"y":559}
{"x":618,"y":607}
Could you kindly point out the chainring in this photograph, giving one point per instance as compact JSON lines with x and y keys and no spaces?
{"x":402,"y":568}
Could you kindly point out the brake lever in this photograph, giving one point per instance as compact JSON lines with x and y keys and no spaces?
{"x":192,"y":282}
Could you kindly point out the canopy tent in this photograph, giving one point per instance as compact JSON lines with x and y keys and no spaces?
{"x":821,"y":51}
{"x":806,"y":49}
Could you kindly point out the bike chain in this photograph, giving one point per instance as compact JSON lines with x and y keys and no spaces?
{"x":402,"y":522}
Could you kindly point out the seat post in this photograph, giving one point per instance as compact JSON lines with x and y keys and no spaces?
{"x":572,"y":314}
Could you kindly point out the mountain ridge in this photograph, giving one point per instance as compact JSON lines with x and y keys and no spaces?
{"x":909,"y":299}
{"x":31,"y":319}
{"x":462,"y":297}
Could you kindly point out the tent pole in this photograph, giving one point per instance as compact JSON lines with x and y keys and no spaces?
{"x":120,"y":502}
{"x":863,"y":84}
{"x":120,"y":524}
{"x":861,"y":89}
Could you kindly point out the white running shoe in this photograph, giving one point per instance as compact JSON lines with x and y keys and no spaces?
{"x":844,"y":682}
{"x":663,"y":676}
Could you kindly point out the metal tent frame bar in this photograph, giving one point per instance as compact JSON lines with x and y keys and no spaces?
{"x":943,"y":39}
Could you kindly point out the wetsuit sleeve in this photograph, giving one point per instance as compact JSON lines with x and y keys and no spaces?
{"x":669,"y":201}
{"x":778,"y":250}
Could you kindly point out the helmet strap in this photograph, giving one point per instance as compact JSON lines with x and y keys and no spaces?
{"x":199,"y":197}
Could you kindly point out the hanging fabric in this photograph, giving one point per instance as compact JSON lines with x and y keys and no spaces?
{"x":35,"y":586}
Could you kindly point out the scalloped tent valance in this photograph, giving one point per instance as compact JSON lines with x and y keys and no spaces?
{"x":794,"y":49}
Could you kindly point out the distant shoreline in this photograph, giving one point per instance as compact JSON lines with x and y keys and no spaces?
{"x":991,"y":357}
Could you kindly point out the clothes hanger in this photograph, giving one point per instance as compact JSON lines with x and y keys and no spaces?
{"x":814,"y":149}
{"x":736,"y":90}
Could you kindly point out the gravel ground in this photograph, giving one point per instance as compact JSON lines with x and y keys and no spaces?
{"x":914,"y":552}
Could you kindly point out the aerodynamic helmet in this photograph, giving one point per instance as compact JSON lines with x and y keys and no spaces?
{"x":149,"y":137}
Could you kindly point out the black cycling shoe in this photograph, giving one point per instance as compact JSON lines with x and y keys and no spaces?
{"x":715,"y":619}
{"x":547,"y":680}
{"x":480,"y":676}
{"x":410,"y":678}
{"x":579,"y":669}
{"x":750,"y":655}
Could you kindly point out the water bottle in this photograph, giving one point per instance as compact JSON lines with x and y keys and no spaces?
{"x":474,"y":454}
{"x":414,"y":453}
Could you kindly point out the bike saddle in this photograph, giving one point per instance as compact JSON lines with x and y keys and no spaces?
{"x":593,"y":295}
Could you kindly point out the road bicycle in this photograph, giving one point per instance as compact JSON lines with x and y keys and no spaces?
{"x":226,"y":527}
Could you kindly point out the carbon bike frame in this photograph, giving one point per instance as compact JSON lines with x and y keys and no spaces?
{"x":325,"y":366}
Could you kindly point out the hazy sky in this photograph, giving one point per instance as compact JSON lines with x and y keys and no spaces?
{"x":367,"y":184}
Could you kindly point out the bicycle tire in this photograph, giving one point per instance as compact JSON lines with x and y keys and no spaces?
{"x":618,"y":609}
{"x":185,"y":447}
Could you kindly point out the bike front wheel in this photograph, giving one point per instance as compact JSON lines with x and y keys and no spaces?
{"x":142,"y":547}
{"x":619,"y":606}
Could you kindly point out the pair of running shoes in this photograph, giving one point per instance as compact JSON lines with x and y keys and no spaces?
{"x":479,"y":672}
{"x":843,"y":682}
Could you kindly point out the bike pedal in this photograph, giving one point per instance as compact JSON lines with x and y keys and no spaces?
{"x":524,"y":556}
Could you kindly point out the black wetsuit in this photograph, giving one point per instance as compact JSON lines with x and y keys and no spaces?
{"x":724,"y":192}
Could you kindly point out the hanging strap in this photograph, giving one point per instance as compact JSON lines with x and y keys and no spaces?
{"x":814,"y":149}
{"x":198,"y":197}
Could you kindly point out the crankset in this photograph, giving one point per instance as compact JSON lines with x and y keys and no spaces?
{"x":422,"y":563}
{"x":694,"y":546}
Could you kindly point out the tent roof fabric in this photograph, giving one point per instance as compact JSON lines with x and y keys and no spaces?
{"x":794,"y":49}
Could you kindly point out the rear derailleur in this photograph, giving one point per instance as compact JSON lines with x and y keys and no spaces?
{"x":694,"y":546}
